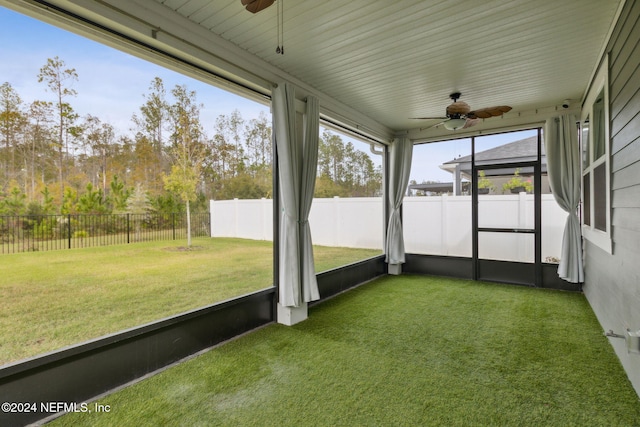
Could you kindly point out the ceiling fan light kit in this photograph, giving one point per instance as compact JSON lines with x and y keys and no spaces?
{"x":455,"y":124}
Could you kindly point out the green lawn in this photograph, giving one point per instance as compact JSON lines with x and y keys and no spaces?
{"x":399,"y":351}
{"x":49,"y":300}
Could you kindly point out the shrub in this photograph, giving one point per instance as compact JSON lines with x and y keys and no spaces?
{"x":517,"y":181}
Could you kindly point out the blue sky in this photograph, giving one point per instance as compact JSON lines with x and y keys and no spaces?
{"x":111,"y":85}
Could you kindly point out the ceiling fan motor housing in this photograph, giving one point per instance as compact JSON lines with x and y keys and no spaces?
{"x":458,"y":108}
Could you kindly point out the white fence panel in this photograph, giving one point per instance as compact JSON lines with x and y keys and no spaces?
{"x":247,"y":219}
{"x":432,"y":225}
{"x":442,"y":226}
{"x":223,"y":218}
{"x":437,"y":225}
{"x":352,"y":222}
{"x":250,"y":216}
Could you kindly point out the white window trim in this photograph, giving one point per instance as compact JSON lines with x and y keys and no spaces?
{"x":600,"y":238}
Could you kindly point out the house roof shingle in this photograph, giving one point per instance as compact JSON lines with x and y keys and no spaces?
{"x":522,"y":149}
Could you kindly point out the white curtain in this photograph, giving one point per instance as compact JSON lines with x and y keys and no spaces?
{"x":309,"y":168}
{"x":563,"y":166}
{"x":400,"y":167}
{"x":297,"y":163}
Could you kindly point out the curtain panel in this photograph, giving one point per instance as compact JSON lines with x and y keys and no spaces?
{"x":297,"y":164}
{"x":400,"y":167}
{"x":563,"y":167}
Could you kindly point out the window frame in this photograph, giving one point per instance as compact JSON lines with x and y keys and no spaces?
{"x":600,"y":85}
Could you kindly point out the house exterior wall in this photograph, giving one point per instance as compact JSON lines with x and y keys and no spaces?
{"x":612,"y":281}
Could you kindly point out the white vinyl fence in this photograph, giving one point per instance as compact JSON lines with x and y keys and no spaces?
{"x":351,"y":222}
{"x":442,"y":226}
{"x":432,"y":225}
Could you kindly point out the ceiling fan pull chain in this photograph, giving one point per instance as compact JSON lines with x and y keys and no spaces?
{"x":280,"y":13}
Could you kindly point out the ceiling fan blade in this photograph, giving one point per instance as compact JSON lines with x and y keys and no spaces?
{"x":429,"y":118}
{"x":470,"y":122}
{"x":436,"y":125}
{"x":255,"y":6}
{"x":485,"y":113}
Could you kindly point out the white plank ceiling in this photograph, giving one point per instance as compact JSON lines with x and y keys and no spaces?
{"x":377,"y":62}
{"x":393,"y":60}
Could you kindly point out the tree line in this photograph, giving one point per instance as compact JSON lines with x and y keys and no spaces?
{"x":54,"y":161}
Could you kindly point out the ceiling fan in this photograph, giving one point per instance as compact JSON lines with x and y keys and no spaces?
{"x":460,"y":116}
{"x":255,"y":6}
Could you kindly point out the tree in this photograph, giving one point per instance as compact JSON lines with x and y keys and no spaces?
{"x":46,"y":147}
{"x":166,"y":204}
{"x":58,"y":80}
{"x":331,"y":157}
{"x":122,"y":159}
{"x":98,"y":139}
{"x":235,"y":125}
{"x":151,"y":124}
{"x":92,"y":201}
{"x":258,"y":142}
{"x":69,"y":201}
{"x":119,"y":197}
{"x":37,"y":146}
{"x":144,"y":167}
{"x":12,"y":121}
{"x":259,"y":153}
{"x":139,"y":205}
{"x":187,"y":150}
{"x":47,"y":202}
{"x":227,"y":146}
{"x":15,"y":203}
{"x":345,"y":171}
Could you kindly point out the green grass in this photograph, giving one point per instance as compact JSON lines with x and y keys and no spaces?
{"x":399,"y":351}
{"x":49,"y":300}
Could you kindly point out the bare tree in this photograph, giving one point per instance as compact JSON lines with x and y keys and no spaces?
{"x":59,"y":80}
{"x":37,"y":146}
{"x":151,"y":124}
{"x":12,"y":121}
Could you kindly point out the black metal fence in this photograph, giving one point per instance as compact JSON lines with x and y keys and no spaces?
{"x":51,"y":232}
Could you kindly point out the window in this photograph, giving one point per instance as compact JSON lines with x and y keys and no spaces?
{"x":118,"y":128}
{"x":347,"y":216}
{"x":596,"y":212}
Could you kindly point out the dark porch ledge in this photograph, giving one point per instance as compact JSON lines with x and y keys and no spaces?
{"x":337,"y":280}
{"x":517,"y":273}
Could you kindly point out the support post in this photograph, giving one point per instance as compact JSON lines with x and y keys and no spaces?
{"x":291,"y":315}
{"x":395,"y":269}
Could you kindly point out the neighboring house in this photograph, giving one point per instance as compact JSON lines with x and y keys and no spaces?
{"x":517,"y":151}
{"x":435,"y":189}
